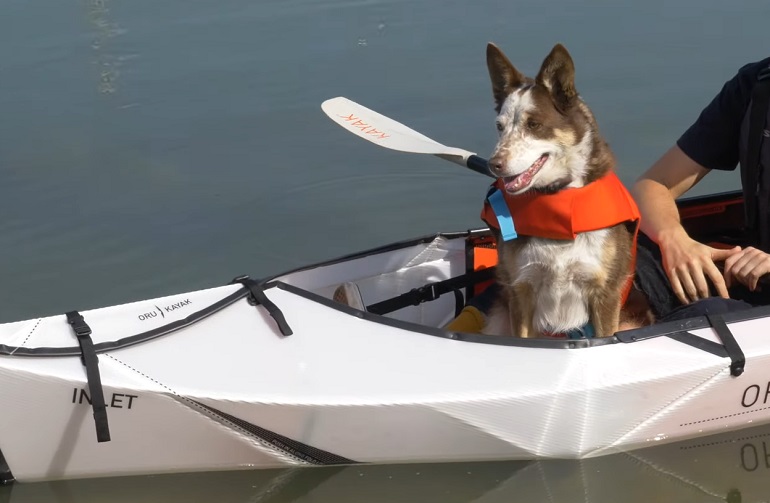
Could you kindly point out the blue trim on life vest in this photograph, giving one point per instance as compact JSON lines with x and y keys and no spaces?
{"x":503,"y":214}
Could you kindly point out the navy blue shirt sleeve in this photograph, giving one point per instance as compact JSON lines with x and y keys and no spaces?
{"x":713,"y":140}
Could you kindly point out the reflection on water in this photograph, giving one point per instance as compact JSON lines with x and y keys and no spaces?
{"x":98,"y":16}
{"x":733,"y":468}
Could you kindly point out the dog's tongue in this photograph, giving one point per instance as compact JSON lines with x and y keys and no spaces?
{"x":517,"y":182}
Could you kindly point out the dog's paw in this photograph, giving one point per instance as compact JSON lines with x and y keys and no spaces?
{"x":498,"y":323}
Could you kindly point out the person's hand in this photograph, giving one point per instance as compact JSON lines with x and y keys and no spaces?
{"x":688,"y":263}
{"x":746,"y":267}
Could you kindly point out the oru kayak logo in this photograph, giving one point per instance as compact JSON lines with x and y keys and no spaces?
{"x":367,"y":129}
{"x":756,"y":395}
{"x":161,"y":311}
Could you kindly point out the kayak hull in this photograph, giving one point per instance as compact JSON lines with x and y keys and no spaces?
{"x":225,"y":389}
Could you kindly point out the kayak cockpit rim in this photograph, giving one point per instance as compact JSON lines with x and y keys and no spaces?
{"x":103,"y":347}
{"x":678,"y":330}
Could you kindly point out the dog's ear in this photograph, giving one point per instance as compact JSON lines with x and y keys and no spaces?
{"x":557,"y":74}
{"x":505,"y":77}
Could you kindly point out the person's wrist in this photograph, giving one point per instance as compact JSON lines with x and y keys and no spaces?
{"x":671,"y":235}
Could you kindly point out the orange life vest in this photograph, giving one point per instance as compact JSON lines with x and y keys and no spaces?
{"x":601,"y":204}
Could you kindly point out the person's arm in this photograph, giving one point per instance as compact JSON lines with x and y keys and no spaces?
{"x":711,"y":142}
{"x":657,"y":189}
{"x":686,"y":262}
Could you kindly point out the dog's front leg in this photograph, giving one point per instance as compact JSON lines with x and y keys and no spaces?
{"x":605,"y":314}
{"x":523,"y":311}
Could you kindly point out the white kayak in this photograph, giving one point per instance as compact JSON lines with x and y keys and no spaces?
{"x":274,"y":373}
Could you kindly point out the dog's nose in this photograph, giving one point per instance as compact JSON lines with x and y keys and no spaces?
{"x":495,"y":165}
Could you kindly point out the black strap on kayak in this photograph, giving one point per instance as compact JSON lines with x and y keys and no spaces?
{"x":6,"y":477}
{"x":287,"y":445}
{"x":734,"y":351}
{"x":259,"y":298}
{"x":431,"y":291}
{"x":91,"y":363}
{"x":459,"y":302}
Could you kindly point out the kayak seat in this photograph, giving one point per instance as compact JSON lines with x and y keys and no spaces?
{"x":349,"y":294}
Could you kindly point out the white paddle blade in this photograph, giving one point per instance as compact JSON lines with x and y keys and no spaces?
{"x":386,"y":132}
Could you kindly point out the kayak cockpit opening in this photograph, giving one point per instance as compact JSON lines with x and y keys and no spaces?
{"x":428,"y":281}
{"x":413,"y":281}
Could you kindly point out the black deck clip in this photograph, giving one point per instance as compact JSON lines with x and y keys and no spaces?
{"x":91,"y":362}
{"x":734,"y":351}
{"x":258,"y":297}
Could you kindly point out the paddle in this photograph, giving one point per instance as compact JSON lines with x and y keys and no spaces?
{"x":391,"y":134}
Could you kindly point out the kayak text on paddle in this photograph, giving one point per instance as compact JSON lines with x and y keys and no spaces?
{"x":365,"y":128}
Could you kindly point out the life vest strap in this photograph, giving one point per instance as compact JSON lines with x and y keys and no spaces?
{"x":503,"y":214}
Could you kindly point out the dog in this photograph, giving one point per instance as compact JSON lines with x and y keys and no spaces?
{"x":549,"y":148}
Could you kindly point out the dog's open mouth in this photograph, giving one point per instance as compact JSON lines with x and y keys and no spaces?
{"x":521,"y":181}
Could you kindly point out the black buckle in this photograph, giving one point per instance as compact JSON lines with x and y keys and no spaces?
{"x":764,"y":74}
{"x":425,"y":293}
{"x":78,"y":324}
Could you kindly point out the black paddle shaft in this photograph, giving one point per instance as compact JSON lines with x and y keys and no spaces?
{"x":479,"y":165}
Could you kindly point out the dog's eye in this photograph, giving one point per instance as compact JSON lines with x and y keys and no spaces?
{"x":499,"y":126}
{"x":532,"y":124}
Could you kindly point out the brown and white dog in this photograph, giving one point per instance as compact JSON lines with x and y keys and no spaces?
{"x":549,"y":142}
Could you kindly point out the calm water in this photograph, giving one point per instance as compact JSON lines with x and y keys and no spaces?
{"x":149,"y":147}
{"x":731,"y":468}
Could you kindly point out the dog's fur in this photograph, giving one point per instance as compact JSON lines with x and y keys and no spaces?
{"x":553,"y":286}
